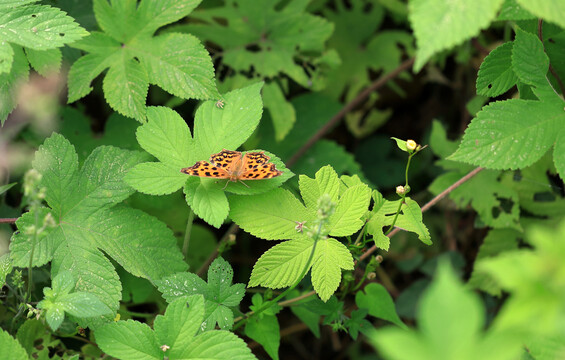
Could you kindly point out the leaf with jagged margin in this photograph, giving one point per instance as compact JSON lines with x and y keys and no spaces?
{"x":326,"y":181}
{"x":496,"y":75}
{"x":11,"y":346}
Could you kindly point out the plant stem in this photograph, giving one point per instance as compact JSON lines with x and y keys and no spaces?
{"x":8,"y":220}
{"x":33,"y":242}
{"x":428,"y":205}
{"x":231,"y":231}
{"x":187,"y":233}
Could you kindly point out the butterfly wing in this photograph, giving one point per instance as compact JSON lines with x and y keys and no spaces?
{"x":226,"y":159}
{"x":205,"y":169}
{"x":256,"y":166}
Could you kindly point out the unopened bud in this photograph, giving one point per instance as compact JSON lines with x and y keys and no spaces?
{"x":400,"y":190}
{"x":379,"y":258}
{"x":411,"y":145}
{"x":371,"y":275}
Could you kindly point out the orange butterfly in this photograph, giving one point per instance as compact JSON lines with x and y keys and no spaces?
{"x":233,"y":166}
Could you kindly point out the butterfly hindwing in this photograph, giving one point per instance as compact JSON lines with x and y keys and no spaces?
{"x":225,"y":158}
{"x":205,"y":169}
{"x":260,"y":172}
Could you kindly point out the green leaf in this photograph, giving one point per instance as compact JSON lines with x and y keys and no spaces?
{"x":357,"y":322}
{"x":155,"y":178}
{"x":496,"y":242}
{"x":510,"y":134}
{"x":8,"y":81}
{"x":178,"y":63}
{"x":326,"y":182}
{"x":531,"y":63}
{"x":177,"y":330}
{"x":6,"y":57}
{"x":216,"y":129}
{"x":128,"y":339}
{"x":352,"y":205}
{"x":84,"y":222}
{"x":511,"y":10}
{"x":553,"y":11}
{"x":271,"y":216}
{"x":379,"y":303}
{"x":125,"y":88}
{"x":330,"y":257}
{"x":207,"y":201}
{"x":287,"y":34}
{"x":266,"y":331}
{"x":5,"y":267}
{"x":31,"y":332}
{"x":440,"y":25}
{"x":282,"y":112}
{"x":45,"y":61}
{"x":219,"y":293}
{"x":281,"y":265}
{"x":11,"y":346}
{"x":39,"y":27}
{"x":496,"y":75}
{"x":531,"y":275}
{"x":382,"y":214}
{"x":439,"y":337}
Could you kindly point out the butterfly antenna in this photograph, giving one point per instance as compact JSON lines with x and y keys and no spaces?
{"x":225,"y":186}
{"x":241,"y":181}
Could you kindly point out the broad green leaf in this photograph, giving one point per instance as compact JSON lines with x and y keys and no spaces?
{"x":282,"y":112}
{"x":326,"y":182}
{"x":45,"y":61}
{"x":11,"y":346}
{"x":281,"y":265}
{"x":219,"y":293}
{"x":272,"y":216}
{"x":207,"y":201}
{"x":376,"y":299}
{"x":4,"y":188}
{"x":57,"y":162}
{"x":496,"y":242}
{"x":181,"y":322}
{"x":510,"y":134}
{"x":308,"y":317}
{"x":9,"y":82}
{"x":524,"y":273}
{"x":216,"y":129}
{"x":178,"y":63}
{"x":84,"y":222}
{"x":330,"y":257}
{"x":530,"y":64}
{"x":128,"y":340}
{"x":496,"y":75}
{"x":125,"y":88}
{"x":155,"y":178}
{"x":39,"y":27}
{"x":177,"y":330}
{"x":550,"y":10}
{"x":439,"y":25}
{"x":511,"y":10}
{"x":352,"y":205}
{"x":266,"y":331}
{"x":412,"y":221}
{"x":439,"y":337}
{"x":29,"y":333}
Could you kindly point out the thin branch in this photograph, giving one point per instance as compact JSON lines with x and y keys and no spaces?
{"x":347,"y":108}
{"x":8,"y":220}
{"x":551,"y":69}
{"x":430,"y":203}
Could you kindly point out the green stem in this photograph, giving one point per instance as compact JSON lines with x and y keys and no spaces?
{"x":395,"y":216}
{"x":270,"y":303}
{"x":187,"y":233}
{"x":33,"y":242}
{"x":403,"y":196}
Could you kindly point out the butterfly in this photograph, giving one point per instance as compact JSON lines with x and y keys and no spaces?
{"x":234,"y":166}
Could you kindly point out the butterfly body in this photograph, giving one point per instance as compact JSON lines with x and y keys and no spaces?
{"x":234,"y":166}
